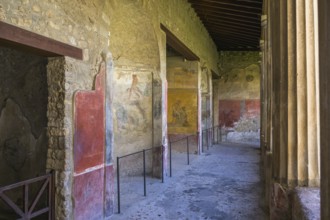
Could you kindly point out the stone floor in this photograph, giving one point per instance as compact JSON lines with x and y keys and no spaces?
{"x":223,"y":183}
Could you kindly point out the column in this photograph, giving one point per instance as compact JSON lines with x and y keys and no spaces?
{"x":324,"y":37}
{"x":292,"y":94}
{"x":313,"y":175}
{"x":275,"y":92}
{"x":301,"y":95}
{"x":283,"y":92}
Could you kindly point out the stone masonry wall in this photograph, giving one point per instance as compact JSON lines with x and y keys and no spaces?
{"x":137,"y":43}
{"x":79,"y":23}
{"x":84,"y":24}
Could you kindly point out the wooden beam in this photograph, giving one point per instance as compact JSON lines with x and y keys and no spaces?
{"x":230,"y":18}
{"x":236,"y":23}
{"x":18,"y":38}
{"x":233,"y":27}
{"x":224,"y":30}
{"x":227,"y":41}
{"x":214,"y":75}
{"x":238,"y":49}
{"x":176,"y":44}
{"x":237,"y":43}
{"x":237,"y":38}
{"x":227,"y":4}
{"x":230,"y":12}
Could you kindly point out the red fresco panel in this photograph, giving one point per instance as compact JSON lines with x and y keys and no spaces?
{"x":89,"y":137}
{"x":88,"y":195}
{"x":109,"y":191}
{"x":252,"y":108}
{"x":229,"y":112}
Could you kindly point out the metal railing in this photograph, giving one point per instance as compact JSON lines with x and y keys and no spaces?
{"x":144,"y":170}
{"x":187,"y":148}
{"x":28,"y":211}
{"x":210,"y":134}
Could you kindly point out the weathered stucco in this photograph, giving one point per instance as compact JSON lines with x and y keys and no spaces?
{"x":136,"y":88}
{"x":238,"y":95}
{"x":239,"y":75}
{"x":84,"y":24}
{"x":133,"y":23}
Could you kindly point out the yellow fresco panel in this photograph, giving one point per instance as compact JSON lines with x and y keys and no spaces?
{"x":182,"y":111}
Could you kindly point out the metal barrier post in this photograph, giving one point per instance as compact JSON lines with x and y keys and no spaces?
{"x":213,"y":138}
{"x":51,"y":196}
{"x":170,"y":159}
{"x":188,"y":149}
{"x":212,"y":135}
{"x":220,"y":134}
{"x":198,"y":146}
{"x":162,"y":149}
{"x":118,"y":186}
{"x":144,"y":173}
{"x":26,"y":198}
{"x":207,"y":138}
{"x":202,"y":141}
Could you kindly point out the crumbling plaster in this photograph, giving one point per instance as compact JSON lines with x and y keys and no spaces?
{"x":90,"y":25}
{"x":133,"y":23}
{"x":237,"y":93}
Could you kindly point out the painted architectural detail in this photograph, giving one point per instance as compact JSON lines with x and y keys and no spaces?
{"x":89,"y":125}
{"x":93,"y":180}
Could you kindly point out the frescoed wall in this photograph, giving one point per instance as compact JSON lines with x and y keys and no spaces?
{"x":238,"y":95}
{"x":93,"y":176}
{"x":136,"y":101}
{"x":182,"y":109}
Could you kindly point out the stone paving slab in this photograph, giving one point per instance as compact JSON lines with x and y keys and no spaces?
{"x":223,"y":183}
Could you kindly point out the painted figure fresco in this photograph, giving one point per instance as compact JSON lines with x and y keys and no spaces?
{"x":134,"y":89}
{"x":179,"y":115}
{"x":182,"y":111}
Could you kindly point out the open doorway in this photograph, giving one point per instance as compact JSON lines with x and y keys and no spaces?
{"x":23,"y":120}
{"x":182,"y":79}
{"x":183,"y":103}
{"x":33,"y":140}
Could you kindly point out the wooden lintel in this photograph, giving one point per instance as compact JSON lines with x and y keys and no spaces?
{"x":18,"y":38}
{"x":215,"y":75}
{"x":180,"y":47}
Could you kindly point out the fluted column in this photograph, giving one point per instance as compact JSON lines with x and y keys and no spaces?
{"x":324,"y":39}
{"x":301,"y":94}
{"x":283,"y":126}
{"x":292,"y":94}
{"x":275,"y":92}
{"x":313,"y":175}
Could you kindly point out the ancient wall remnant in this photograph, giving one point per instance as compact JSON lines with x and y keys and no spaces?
{"x":131,"y":29}
{"x":23,"y":116}
{"x":238,"y":95}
